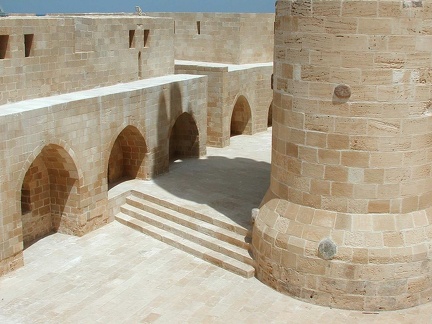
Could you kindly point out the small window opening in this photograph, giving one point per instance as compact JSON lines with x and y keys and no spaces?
{"x":139,"y":65}
{"x":199,"y":27}
{"x":146,"y":37}
{"x":174,"y":27}
{"x":28,"y":44}
{"x":4,"y":43}
{"x":131,"y":38}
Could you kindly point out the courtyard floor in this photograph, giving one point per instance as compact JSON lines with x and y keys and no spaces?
{"x":118,"y":275}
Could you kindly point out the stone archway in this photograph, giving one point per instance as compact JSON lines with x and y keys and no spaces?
{"x":241,"y":118}
{"x":49,"y":194}
{"x":127,"y":157}
{"x":184,"y":138}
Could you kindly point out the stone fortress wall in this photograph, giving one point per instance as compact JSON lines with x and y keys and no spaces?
{"x":347,"y":220}
{"x":44,"y":56}
{"x":87,"y":101}
{"x":90,"y":100}
{"x":222,"y":38}
{"x":235,"y":51}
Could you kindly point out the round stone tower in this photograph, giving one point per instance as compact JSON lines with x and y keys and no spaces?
{"x":347,"y":220}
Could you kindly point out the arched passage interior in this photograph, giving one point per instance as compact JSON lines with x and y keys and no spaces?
{"x":127,"y":157}
{"x":49,"y":194}
{"x":184,"y":138}
{"x":241,"y":119}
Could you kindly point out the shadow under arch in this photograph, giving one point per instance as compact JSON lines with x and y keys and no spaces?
{"x":49,"y":194}
{"x":241,"y":117}
{"x":184,"y":139}
{"x":127,"y":159}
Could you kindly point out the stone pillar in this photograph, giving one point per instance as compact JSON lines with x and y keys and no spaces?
{"x":347,"y":219}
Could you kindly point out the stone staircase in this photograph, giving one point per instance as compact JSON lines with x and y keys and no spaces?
{"x":215,"y":241}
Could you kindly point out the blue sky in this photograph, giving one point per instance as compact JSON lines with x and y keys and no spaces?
{"x":61,"y":6}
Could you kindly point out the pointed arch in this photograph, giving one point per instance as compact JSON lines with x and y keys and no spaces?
{"x":49,"y":194}
{"x":184,"y":141}
{"x":127,"y":159}
{"x":241,"y":117}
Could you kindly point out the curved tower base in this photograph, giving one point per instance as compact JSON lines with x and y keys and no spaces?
{"x":351,"y":261}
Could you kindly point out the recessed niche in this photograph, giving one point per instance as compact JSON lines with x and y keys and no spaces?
{"x":28,"y":45}
{"x":198,"y":27}
{"x":4,"y":45}
{"x":131,"y":38}
{"x":146,"y":37}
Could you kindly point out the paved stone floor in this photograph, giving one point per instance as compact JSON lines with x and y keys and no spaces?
{"x":225,"y":184}
{"x":117,"y":275}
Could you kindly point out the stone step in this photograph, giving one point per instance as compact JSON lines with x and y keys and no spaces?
{"x":181,"y":229}
{"x":208,"y":219}
{"x":193,"y":248}
{"x":196,"y":224}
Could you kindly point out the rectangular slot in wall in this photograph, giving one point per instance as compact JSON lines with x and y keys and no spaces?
{"x":198,"y":27}
{"x":131,"y":38}
{"x":146,"y":37}
{"x":28,"y":45}
{"x":4,"y":46}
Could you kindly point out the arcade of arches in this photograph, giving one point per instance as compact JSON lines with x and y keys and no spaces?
{"x":49,"y":194}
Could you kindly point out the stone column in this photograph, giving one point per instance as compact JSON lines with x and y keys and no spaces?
{"x":347,"y":219}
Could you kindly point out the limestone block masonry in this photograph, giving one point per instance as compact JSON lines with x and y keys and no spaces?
{"x":56,"y":153}
{"x":223,"y":38}
{"x":347,"y":220}
{"x":44,"y":56}
{"x":229,"y":88}
{"x":235,"y":51}
{"x":90,"y":100}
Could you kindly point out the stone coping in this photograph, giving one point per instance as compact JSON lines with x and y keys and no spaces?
{"x":38,"y":103}
{"x":221,"y":66}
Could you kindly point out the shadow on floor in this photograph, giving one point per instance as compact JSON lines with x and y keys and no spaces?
{"x":233,"y":187}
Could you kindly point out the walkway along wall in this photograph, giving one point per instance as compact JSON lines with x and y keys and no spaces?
{"x":347,"y":220}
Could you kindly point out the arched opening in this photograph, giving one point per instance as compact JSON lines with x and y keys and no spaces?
{"x":127,"y":158}
{"x":241,"y":118}
{"x":184,"y":138}
{"x":270,"y":115}
{"x":49,"y":194}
